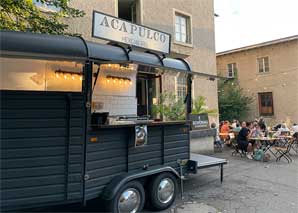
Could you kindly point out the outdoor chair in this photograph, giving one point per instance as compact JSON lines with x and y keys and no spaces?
{"x":236,"y":149}
{"x":284,"y":151}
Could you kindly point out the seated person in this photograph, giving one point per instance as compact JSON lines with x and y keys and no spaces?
{"x":237,"y":128}
{"x":225,"y":129}
{"x":242,"y":140}
{"x":217,"y":141}
{"x":281,"y":130}
{"x":256,"y":131}
{"x":295,"y":130}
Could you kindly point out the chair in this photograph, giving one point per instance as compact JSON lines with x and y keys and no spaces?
{"x":236,"y":148}
{"x":284,"y":151}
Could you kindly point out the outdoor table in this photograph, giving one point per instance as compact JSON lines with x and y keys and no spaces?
{"x":267,"y":142}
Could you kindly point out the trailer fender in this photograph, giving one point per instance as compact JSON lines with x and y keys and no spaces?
{"x":117,"y":182}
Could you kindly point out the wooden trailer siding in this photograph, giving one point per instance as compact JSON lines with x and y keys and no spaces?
{"x":114,"y":152}
{"x":41,"y":158}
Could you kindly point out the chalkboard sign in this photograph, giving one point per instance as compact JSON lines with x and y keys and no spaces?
{"x":199,"y":121}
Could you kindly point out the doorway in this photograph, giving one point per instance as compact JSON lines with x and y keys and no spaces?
{"x":148,"y":92}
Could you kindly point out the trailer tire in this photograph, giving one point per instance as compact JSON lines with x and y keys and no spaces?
{"x":162,"y":191}
{"x":129,"y":198}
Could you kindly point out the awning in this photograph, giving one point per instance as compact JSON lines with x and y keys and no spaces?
{"x":59,"y":47}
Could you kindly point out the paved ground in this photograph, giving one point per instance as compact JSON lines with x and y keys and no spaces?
{"x":249,"y":187}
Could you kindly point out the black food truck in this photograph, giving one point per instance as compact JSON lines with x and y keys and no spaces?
{"x":76,"y":125}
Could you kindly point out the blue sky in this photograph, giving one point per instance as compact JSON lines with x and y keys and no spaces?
{"x":245,"y":22}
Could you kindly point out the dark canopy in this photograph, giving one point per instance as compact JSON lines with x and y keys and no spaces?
{"x":59,"y":47}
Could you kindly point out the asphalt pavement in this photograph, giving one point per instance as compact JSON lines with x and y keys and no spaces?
{"x":249,"y":187}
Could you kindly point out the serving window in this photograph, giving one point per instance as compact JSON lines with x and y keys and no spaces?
{"x":40,"y":75}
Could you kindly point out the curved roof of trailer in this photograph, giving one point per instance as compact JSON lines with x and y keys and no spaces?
{"x":26,"y":44}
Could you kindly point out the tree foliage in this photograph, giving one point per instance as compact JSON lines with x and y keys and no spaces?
{"x":233,"y":103}
{"x":23,"y":15}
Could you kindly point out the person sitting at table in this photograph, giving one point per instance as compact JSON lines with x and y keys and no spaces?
{"x":237,"y":128}
{"x":256,"y":131}
{"x":295,"y":128}
{"x":281,"y":130}
{"x":262,"y":124}
{"x":225,"y":129}
{"x":242,"y":140}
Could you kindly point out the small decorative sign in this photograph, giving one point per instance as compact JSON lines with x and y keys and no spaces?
{"x":199,"y":121}
{"x":115,"y":29}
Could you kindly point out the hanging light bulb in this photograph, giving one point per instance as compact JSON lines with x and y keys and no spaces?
{"x":125,"y":81}
{"x":72,"y":77}
{"x":81,"y":78}
{"x":114,"y":80}
{"x":57,"y":75}
{"x":108,"y":80}
{"x":65,"y":77}
{"x":130,"y":82}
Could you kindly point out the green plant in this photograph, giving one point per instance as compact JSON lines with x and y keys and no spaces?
{"x":23,"y":15}
{"x":233,"y":102}
{"x":199,"y":106}
{"x":169,"y":107}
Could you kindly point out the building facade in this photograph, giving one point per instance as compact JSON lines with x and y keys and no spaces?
{"x":268,"y":72}
{"x":190,"y":23}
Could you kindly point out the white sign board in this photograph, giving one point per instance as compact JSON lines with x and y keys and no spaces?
{"x":114,"y":29}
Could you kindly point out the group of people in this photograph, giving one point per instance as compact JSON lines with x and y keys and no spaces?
{"x":242,"y":132}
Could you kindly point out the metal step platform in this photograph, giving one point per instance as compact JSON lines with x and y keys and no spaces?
{"x":204,"y":161}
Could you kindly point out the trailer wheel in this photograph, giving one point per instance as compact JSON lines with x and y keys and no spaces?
{"x":162,"y":191}
{"x":130,"y":198}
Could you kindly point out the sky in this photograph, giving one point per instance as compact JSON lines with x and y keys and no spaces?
{"x":246,"y":22}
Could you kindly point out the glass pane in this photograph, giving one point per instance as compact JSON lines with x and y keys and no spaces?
{"x":183,"y":38}
{"x":183,"y":29}
{"x":178,"y":20}
{"x":40,"y":75}
{"x":178,"y":37}
{"x":177,"y":28}
{"x":183,"y":21}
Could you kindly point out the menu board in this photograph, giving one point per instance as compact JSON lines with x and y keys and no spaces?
{"x":199,"y":121}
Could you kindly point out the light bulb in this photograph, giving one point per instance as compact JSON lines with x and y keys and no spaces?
{"x":65,"y":77}
{"x":81,"y":78}
{"x":130,"y":82}
{"x":108,"y":80}
{"x":114,"y":81}
{"x":72,"y":77}
{"x":57,"y":75}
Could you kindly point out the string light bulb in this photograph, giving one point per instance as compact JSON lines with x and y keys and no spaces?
{"x":72,"y":77}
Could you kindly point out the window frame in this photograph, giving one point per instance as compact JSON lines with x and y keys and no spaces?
{"x":261,"y":113}
{"x":180,"y":87}
{"x":188,"y":26}
{"x":234,"y":69}
{"x":263,"y":65}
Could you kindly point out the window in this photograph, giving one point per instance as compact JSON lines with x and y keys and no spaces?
{"x":129,"y":10}
{"x":266,"y":103}
{"x":40,"y":75}
{"x":182,"y":28}
{"x":46,"y":7}
{"x":181,"y":87}
{"x":263,"y":64}
{"x":232,"y":69}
